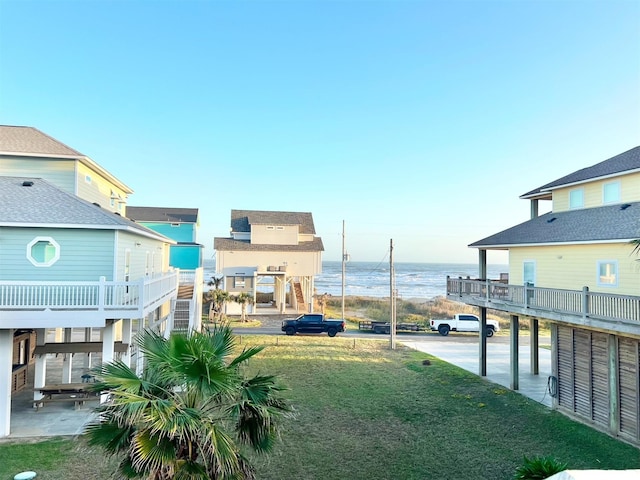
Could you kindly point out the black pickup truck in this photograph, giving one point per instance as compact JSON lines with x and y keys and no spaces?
{"x":312,"y":323}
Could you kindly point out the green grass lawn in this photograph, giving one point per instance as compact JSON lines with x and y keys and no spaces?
{"x":363,"y":412}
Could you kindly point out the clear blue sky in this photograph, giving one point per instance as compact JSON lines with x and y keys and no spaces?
{"x":420,"y":121}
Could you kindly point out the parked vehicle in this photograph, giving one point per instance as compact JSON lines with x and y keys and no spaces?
{"x":463,"y":322}
{"x":385,"y":327}
{"x":313,"y":323}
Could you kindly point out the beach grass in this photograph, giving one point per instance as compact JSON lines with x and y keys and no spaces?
{"x":365,"y":412}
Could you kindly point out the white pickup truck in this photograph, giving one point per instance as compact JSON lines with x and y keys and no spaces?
{"x":463,"y":322}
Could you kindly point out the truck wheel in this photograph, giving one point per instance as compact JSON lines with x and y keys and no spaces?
{"x":489,"y":332}
{"x":290,"y":331}
{"x":443,"y":330}
{"x":332,"y":332}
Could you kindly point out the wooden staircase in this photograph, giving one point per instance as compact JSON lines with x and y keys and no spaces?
{"x":299,"y":295}
{"x":185,"y":291}
{"x":181,"y":313}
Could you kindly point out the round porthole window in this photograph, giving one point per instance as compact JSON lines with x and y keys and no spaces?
{"x":43,"y":251}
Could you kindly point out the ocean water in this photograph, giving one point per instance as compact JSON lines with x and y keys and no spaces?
{"x":372,"y":279}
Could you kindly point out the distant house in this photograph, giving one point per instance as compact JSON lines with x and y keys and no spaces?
{"x":181,"y":225}
{"x":575,"y":268}
{"x":271,"y":251}
{"x":28,"y":152}
{"x":71,"y":261}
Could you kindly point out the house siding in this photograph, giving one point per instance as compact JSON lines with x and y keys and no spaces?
{"x":60,"y":173}
{"x":184,"y":232}
{"x":297,"y":263}
{"x":146,"y":256}
{"x":575,"y":266}
{"x":593,"y":192}
{"x":98,"y":189}
{"x":85,"y":255}
{"x":186,"y":257}
{"x":274,"y":234}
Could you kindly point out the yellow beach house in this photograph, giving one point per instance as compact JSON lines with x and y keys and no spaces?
{"x":576,"y":268}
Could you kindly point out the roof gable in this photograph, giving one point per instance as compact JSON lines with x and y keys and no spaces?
{"x":27,"y":202}
{"x":241,"y":220}
{"x":163,"y":214}
{"x":624,"y":162}
{"x":619,"y":222}
{"x":31,"y":141}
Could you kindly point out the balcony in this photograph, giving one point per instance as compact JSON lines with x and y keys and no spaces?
{"x":36,"y":304}
{"x":607,"y":311}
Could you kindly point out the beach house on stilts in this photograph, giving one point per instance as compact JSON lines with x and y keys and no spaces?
{"x":72,"y":265}
{"x":575,"y":268}
{"x":270,"y":252}
{"x":179,"y":224}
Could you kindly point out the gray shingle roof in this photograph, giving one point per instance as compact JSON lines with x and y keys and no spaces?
{"x":162,"y":214}
{"x":629,"y":160}
{"x":228,"y":244}
{"x":29,"y":140}
{"x":620,"y":222}
{"x":43,"y":204}
{"x":241,"y":220}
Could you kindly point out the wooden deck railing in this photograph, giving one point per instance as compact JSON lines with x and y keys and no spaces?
{"x":101,"y":295}
{"x":584,"y":303}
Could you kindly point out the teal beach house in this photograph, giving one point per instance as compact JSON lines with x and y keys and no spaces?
{"x":78,"y":278}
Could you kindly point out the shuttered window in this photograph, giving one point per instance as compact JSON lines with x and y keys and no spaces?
{"x":565,"y":367}
{"x":628,"y":378}
{"x":600,"y":407}
{"x":583,"y":374}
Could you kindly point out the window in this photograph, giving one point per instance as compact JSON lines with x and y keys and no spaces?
{"x":238,"y":282}
{"x":279,"y":228}
{"x":608,"y":273}
{"x":270,"y":227}
{"x":43,"y":251}
{"x":87,"y":178}
{"x":576,"y":198}
{"x":529,"y":273}
{"x":611,"y":192}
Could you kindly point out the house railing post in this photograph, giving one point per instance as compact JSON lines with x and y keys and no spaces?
{"x":101,"y":293}
{"x":585,"y":302}
{"x":460,"y":286}
{"x":488,"y":286}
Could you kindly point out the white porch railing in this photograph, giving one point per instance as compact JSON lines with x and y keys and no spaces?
{"x":583,"y":303}
{"x":139,"y":297}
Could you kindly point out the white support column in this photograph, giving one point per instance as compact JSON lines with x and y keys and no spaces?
{"x":515,"y":359}
{"x":40,"y":370}
{"x":108,"y":339}
{"x":67,"y":360}
{"x":108,"y":348}
{"x":87,"y":338}
{"x":126,"y":338}
{"x":6,"y":364}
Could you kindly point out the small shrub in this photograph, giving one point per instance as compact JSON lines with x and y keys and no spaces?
{"x":539,"y":468}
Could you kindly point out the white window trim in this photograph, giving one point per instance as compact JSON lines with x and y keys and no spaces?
{"x":581,"y":190}
{"x":617,"y":200}
{"x":535,"y":271}
{"x":617,"y":275}
{"x":50,"y":240}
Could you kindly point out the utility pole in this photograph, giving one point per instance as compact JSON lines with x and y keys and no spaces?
{"x":344,"y":260}
{"x":392,"y":298}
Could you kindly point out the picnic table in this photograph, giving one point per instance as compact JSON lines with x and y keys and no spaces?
{"x":77,"y":393}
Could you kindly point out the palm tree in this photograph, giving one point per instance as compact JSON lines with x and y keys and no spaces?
{"x":322,"y":300}
{"x":636,"y":248}
{"x":219,"y":299}
{"x":244,"y":299}
{"x":210,"y":296}
{"x":191,"y":412}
